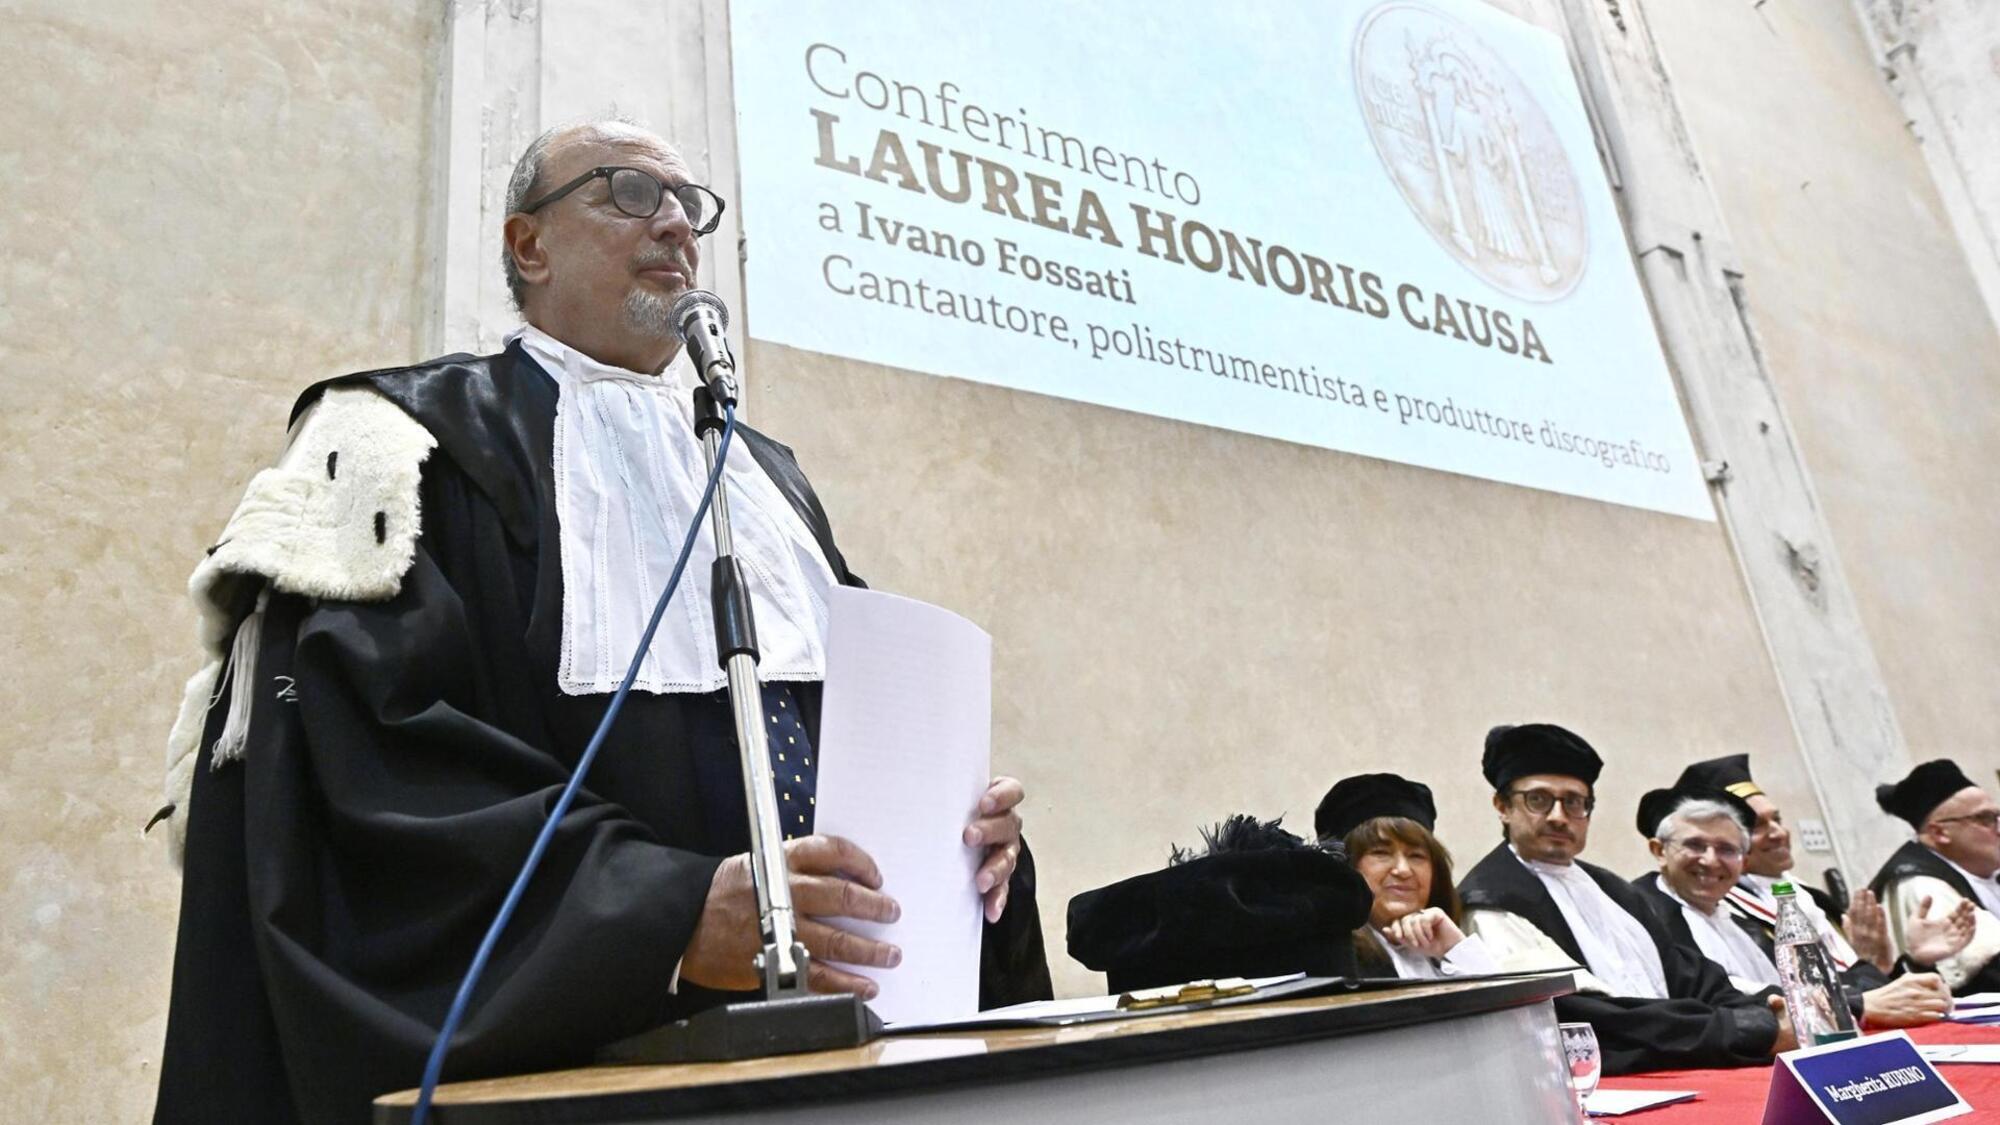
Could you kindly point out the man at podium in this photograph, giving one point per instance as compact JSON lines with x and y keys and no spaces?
{"x":413,"y":626}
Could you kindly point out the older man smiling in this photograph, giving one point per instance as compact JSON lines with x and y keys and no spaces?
{"x":1699,"y":839}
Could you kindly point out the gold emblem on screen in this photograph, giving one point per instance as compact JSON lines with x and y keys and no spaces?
{"x":1471,"y":150}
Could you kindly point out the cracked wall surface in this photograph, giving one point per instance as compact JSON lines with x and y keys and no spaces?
{"x":1872,"y":326}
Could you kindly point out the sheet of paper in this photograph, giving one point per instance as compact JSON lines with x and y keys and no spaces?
{"x":1961,"y":1052}
{"x":1059,"y":1009}
{"x":905,"y":746}
{"x":1977,"y":1000}
{"x":1616,"y":1103}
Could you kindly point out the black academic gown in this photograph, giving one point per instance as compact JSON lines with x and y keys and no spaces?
{"x":1855,"y":979}
{"x":1913,"y":859}
{"x":1704,"y":1022}
{"x":339,"y":878}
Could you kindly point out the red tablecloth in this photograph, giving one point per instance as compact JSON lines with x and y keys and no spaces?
{"x":1736,"y":1097}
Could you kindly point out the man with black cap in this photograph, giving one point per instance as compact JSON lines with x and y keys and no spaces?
{"x":1699,"y":838}
{"x":1861,"y":948}
{"x":1953,"y":860}
{"x":1654,"y":1004}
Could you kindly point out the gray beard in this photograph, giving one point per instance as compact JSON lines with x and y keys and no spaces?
{"x":649,"y":313}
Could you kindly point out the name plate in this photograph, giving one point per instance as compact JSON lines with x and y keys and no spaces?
{"x":1879,"y":1080}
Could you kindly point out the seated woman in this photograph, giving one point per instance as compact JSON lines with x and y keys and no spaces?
{"x":1384,"y":821}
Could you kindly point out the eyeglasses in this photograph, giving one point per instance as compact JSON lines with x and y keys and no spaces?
{"x":638,"y":193}
{"x":1695,"y":845}
{"x":1540,"y":801}
{"x":1989,"y":820}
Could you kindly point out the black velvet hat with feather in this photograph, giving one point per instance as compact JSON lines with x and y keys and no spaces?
{"x":1256,"y":902}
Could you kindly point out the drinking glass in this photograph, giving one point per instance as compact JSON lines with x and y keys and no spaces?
{"x":1582,"y":1057}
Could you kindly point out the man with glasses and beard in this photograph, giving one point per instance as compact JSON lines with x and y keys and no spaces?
{"x":1655,"y":1004}
{"x":1953,"y":860}
{"x":414,"y":623}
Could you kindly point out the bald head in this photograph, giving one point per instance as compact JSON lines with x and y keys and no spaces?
{"x":1965,"y":828}
{"x":559,"y":146}
{"x":593,"y":269}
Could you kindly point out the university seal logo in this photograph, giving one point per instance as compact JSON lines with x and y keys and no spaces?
{"x":1471,"y":150}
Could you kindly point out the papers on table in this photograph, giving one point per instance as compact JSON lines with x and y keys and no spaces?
{"x":1090,"y":1009}
{"x":1960,"y":1052}
{"x":906,"y":737}
{"x":1979,"y":1007}
{"x":1617,"y":1103}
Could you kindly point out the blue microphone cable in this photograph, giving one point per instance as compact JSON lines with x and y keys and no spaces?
{"x":435,"y":1065}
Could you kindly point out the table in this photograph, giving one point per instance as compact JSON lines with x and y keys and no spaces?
{"x":1287,"y":1060}
{"x":1736,"y":1097}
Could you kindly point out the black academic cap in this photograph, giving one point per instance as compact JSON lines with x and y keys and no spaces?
{"x":1915,"y":797}
{"x":1656,"y":805}
{"x":1532,"y":748}
{"x":1257,"y":913}
{"x":1730,"y":773}
{"x":1355,"y":800}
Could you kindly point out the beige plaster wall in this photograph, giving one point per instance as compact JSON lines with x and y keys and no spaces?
{"x":209,"y":203}
{"x":1875,"y":333}
{"x":1189,"y":622}
{"x":230,"y":198}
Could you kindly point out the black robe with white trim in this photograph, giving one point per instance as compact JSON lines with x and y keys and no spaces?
{"x":1914,"y":860}
{"x":400,"y":757}
{"x":1704,"y":1022}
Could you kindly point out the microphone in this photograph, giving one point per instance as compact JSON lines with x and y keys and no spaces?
{"x":699,"y":318}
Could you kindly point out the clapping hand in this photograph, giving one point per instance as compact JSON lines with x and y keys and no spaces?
{"x":1930,"y":940}
{"x":1867,"y":926}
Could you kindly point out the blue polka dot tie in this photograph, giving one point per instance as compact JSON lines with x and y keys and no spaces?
{"x":793,"y":774}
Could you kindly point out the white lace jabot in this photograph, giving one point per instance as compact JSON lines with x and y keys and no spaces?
{"x":628,"y":476}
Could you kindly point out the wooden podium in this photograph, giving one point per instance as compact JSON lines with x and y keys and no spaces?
{"x":1431,"y":1052}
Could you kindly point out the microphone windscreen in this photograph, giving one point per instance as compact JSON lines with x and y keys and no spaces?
{"x":695,"y":299}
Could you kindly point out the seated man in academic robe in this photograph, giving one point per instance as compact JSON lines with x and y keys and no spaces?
{"x":1950,"y":864}
{"x":1860,"y":946}
{"x":1699,"y":838}
{"x":1655,"y":1004}
{"x":415,"y":622}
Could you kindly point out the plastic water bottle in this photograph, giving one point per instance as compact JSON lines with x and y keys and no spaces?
{"x":1814,"y":998}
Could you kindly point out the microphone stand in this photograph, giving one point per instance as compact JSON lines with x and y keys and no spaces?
{"x":789,"y":1019}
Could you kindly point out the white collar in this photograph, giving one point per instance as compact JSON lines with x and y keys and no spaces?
{"x":629,"y":474}
{"x":1987,"y":887}
{"x":560,"y":358}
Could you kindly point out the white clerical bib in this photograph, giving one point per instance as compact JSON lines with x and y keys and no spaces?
{"x":629,"y":473}
{"x":1722,"y":941}
{"x":1616,"y":948}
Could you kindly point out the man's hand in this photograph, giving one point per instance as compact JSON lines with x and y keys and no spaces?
{"x":830,"y":878}
{"x":998,"y":830}
{"x":1787,"y":1040}
{"x":1907,"y":1001}
{"x":1931,"y":940}
{"x":1867,"y":927}
{"x":1429,"y":931}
